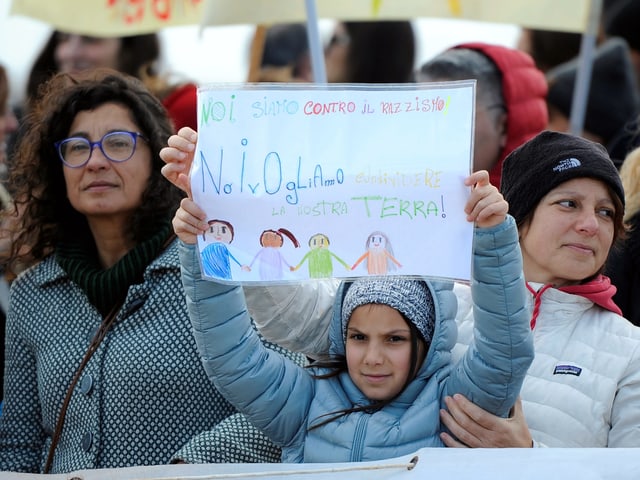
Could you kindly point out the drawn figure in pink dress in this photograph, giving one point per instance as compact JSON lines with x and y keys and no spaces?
{"x":378,"y":256}
{"x":271,"y":261}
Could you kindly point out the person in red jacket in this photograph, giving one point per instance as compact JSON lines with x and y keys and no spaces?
{"x":510,"y":97}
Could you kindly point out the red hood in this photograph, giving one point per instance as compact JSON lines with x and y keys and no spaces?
{"x":524,"y":89}
{"x":182,"y":106}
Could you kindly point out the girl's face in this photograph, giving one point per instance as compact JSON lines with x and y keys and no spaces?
{"x":378,"y":349}
{"x":569,"y":236}
{"x":102,"y":188}
{"x":75,"y":53}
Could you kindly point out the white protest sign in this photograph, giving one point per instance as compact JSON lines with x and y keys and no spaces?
{"x":309,"y":181}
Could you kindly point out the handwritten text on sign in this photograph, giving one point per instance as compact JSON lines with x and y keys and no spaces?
{"x":139,"y":11}
{"x":306,"y":182}
{"x":108,"y":18}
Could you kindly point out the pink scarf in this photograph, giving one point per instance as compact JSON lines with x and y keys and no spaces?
{"x":599,"y":291}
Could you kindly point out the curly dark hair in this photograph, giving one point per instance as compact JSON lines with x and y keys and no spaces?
{"x":43,"y":212}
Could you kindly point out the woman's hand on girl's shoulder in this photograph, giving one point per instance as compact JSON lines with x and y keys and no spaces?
{"x":473,"y":427}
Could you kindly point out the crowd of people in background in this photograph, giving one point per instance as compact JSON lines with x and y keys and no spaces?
{"x":106,"y":324}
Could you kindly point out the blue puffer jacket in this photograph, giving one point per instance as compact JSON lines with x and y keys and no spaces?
{"x":283,"y":399}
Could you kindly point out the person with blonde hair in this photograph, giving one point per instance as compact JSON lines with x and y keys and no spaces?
{"x":623,"y":265}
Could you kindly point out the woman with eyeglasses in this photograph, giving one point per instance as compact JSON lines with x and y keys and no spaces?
{"x":102,"y":370}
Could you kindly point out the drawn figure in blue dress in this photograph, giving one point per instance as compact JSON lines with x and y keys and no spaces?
{"x":216,"y":257}
{"x":378,"y":256}
{"x":270,"y":259}
{"x":320,"y":258}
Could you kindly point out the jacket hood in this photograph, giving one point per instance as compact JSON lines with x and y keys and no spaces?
{"x":524,"y":89}
{"x":445,"y":332}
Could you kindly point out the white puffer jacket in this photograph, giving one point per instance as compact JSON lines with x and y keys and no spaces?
{"x":583,"y":387}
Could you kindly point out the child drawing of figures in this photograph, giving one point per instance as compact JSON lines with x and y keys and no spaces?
{"x":216,"y":255}
{"x":378,"y":256}
{"x":272,"y":262}
{"x":320,"y":258}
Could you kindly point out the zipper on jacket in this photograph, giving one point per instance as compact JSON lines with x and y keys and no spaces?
{"x":358,"y":438}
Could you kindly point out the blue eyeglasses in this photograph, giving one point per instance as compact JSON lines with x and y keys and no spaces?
{"x":118,"y":147}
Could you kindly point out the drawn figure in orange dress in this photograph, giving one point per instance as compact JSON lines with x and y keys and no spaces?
{"x":378,"y":256}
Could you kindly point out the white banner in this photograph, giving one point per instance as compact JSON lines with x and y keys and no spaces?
{"x":565,"y":15}
{"x":131,"y":17}
{"x":430,"y":463}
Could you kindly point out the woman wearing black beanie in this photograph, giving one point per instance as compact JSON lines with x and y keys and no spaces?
{"x":583,"y":386}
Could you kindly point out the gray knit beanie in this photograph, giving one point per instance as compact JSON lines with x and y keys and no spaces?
{"x":410,"y":297}
{"x":547,"y":160}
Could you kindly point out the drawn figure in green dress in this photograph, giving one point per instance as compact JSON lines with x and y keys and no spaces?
{"x":320,"y":258}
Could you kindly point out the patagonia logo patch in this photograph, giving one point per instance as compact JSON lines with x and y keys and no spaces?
{"x":567,"y":164}
{"x":567,"y":370}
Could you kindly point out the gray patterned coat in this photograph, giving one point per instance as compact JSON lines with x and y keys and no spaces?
{"x":142,"y":397}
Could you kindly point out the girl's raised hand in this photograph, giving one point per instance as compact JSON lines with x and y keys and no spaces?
{"x":189,"y":221}
{"x":178,"y":156}
{"x":485,"y":206}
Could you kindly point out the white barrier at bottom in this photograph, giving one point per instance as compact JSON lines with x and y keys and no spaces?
{"x":428,"y":463}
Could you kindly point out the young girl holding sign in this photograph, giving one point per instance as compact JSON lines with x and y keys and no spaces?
{"x":380,"y":393}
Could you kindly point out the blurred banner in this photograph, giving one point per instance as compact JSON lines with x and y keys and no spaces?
{"x":565,"y":15}
{"x":130,"y":17}
{"x":105,"y":18}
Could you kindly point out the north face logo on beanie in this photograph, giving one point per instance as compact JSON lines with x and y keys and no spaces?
{"x":567,"y":164}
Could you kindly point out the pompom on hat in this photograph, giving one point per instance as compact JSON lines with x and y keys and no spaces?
{"x":410,"y":297}
{"x":549,"y":159}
